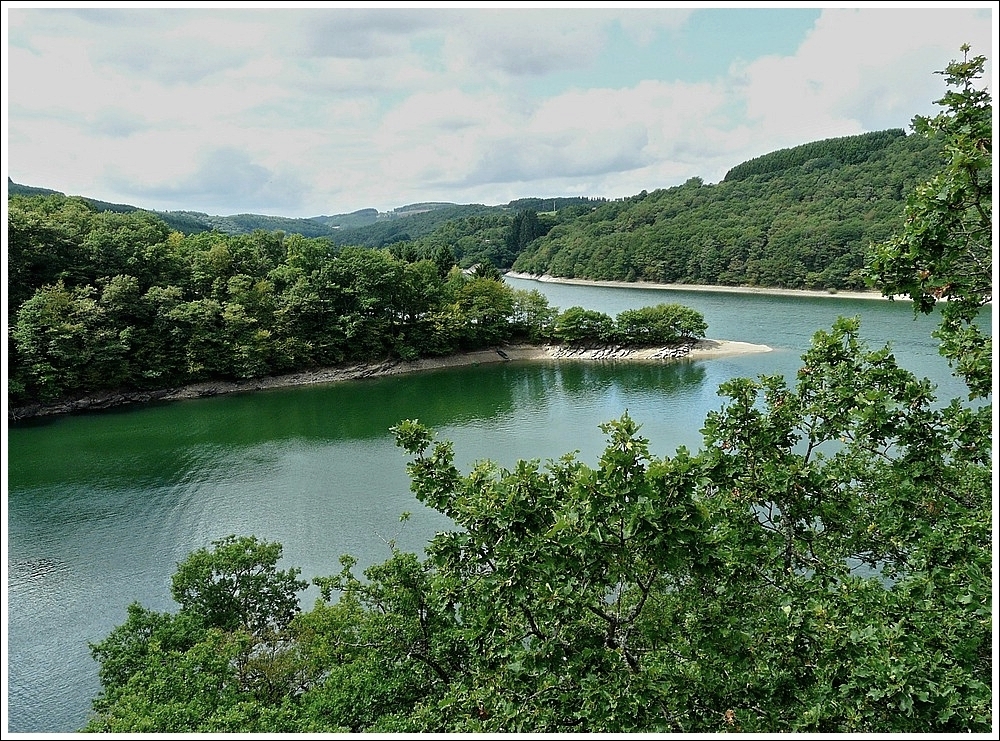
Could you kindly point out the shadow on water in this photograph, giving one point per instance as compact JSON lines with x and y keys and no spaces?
{"x":159,"y":444}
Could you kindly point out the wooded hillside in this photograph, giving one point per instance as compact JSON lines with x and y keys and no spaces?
{"x":799,"y":218}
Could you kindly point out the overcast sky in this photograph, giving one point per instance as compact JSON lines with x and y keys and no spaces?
{"x":330,"y":108}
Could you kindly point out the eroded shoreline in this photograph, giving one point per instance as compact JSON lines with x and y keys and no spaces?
{"x":700,"y":350}
{"x":702,"y":288}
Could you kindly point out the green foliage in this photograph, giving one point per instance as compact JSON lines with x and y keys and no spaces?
{"x":791,"y":223}
{"x":532,"y":317}
{"x":524,"y":229}
{"x":817,"y":155}
{"x":663,"y":324}
{"x":856,"y":470}
{"x":577,"y":325}
{"x":66,"y":342}
{"x":945,"y":250}
{"x":44,"y":244}
{"x":487,"y":305}
{"x":115,"y":301}
{"x":220,"y":664}
{"x":237,"y":586}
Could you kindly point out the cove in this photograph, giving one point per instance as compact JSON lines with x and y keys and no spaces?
{"x":102,"y":506}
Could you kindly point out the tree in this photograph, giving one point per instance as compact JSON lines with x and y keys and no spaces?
{"x":552,"y":579}
{"x":221,"y":663}
{"x":823,"y":565}
{"x":945,"y":249}
{"x":485,"y":306}
{"x":44,"y":237}
{"x":663,"y":324}
{"x":237,"y":585}
{"x":532,"y":316}
{"x":524,"y":229}
{"x":577,"y":325}
{"x":66,"y":344}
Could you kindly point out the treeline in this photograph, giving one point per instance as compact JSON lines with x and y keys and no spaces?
{"x":360,"y":228}
{"x":110,"y":300}
{"x":804,"y":218}
{"x":188,"y":222}
{"x":845,"y":150}
{"x":494,"y":239}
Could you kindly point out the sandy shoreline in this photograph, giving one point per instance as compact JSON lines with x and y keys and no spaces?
{"x":700,"y":350}
{"x":707,"y":288}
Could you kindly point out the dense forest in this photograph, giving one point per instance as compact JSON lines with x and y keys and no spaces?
{"x":798,"y":218}
{"x":110,"y":300}
{"x":823,"y":564}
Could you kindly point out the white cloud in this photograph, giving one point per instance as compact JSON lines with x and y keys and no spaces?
{"x":529,"y":43}
{"x":332,"y":110}
{"x":224,"y":176}
{"x":858,"y":70}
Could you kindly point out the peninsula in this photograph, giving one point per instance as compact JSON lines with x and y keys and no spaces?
{"x":702,"y":349}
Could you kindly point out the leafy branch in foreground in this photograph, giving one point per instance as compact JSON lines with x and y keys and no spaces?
{"x":945,"y":250}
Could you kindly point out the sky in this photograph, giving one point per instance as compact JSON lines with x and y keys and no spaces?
{"x":328,"y":108}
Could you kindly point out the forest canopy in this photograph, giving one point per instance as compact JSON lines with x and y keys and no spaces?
{"x":798,"y":218}
{"x":112,"y":301}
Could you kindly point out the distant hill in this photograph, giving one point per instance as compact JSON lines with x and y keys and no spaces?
{"x":26,"y":190}
{"x":353,"y":220}
{"x":248,"y":223}
{"x":419,"y":208}
{"x":796,"y":218}
{"x":416,"y":224}
{"x":366,"y":227}
{"x":180,"y":221}
{"x":424,"y":219}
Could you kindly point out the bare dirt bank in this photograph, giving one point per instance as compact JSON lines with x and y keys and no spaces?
{"x":700,"y":350}
{"x":707,"y":288}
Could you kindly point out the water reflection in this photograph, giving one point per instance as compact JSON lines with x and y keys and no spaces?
{"x":581,"y":378}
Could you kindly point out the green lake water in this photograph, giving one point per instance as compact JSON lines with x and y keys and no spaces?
{"x":102,"y":506}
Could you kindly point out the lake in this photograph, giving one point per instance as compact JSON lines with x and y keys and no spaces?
{"x":102,"y":506}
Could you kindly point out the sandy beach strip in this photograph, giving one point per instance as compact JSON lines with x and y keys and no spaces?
{"x":707,"y":288}
{"x":700,"y":350}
